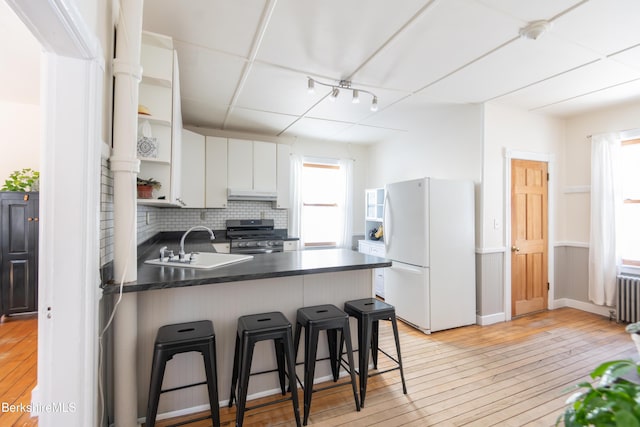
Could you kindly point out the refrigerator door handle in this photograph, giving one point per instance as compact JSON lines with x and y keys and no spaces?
{"x":386,"y":216}
{"x":406,"y":268}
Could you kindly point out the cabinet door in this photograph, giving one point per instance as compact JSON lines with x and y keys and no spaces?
{"x":283,"y":178}
{"x":193,"y":173}
{"x":240,"y":164}
{"x":19,"y":227}
{"x":264,"y":166}
{"x":216,"y":172}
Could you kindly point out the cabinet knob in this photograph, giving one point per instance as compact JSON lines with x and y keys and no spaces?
{"x":29,"y":219}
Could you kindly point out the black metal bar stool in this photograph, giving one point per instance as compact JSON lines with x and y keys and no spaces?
{"x":261,"y":327}
{"x":183,"y":338}
{"x":331,"y":319}
{"x":368,"y":312}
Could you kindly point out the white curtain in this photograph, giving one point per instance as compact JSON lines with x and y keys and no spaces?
{"x":346,"y":205}
{"x":295,"y":213}
{"x":605,"y":199}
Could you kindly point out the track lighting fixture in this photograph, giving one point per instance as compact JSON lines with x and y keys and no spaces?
{"x":343,"y":84}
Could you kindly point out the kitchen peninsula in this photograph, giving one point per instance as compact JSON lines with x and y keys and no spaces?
{"x":282,"y":281}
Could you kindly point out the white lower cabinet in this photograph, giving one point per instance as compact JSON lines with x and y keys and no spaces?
{"x":376,"y":249}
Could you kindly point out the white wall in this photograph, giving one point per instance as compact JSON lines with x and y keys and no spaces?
{"x":19,"y":96}
{"x":447,"y":145}
{"x":577,"y":152}
{"x":20,"y":137}
{"x":511,"y":129}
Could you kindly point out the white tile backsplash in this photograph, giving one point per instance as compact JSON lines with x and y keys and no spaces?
{"x":177,"y":219}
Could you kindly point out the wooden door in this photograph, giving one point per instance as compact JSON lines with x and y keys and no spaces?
{"x":529,"y":201}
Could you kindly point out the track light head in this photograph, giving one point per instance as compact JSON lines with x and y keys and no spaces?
{"x":356,"y":97}
{"x":334,"y":94}
{"x":311,"y":86}
{"x":374,"y":103}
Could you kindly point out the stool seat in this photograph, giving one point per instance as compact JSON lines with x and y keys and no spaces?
{"x":368,"y":312}
{"x":252,"y":329}
{"x":331,"y":319}
{"x":184,"y":333}
{"x":184,"y":338}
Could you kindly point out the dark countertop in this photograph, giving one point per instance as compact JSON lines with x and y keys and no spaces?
{"x":262,"y":266}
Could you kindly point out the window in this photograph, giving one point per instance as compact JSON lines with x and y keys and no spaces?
{"x":322,"y":189}
{"x":629,"y":237}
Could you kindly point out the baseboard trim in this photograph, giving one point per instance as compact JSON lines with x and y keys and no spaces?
{"x":584,"y":306}
{"x":223,"y":403}
{"x":490,"y":319}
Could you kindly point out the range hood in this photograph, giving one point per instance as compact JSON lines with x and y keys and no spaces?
{"x":264,"y":196}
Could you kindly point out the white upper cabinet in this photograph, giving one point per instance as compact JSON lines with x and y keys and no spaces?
{"x":251,"y":166}
{"x":216,"y":172}
{"x":240,"y":165}
{"x":204,"y":171}
{"x":193,"y":169}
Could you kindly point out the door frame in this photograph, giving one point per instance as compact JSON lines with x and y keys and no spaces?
{"x":72,"y":64}
{"x":550,"y":160}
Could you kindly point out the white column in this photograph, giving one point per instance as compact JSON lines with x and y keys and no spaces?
{"x":125,"y":167}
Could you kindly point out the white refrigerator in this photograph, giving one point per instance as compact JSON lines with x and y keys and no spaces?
{"x":429,"y":237}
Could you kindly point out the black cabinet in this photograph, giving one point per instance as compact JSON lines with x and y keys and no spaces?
{"x":18,"y":252}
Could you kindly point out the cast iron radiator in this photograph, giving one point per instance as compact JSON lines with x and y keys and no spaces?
{"x":628,"y":298}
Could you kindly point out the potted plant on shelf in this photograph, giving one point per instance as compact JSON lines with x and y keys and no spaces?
{"x":146,"y":187}
{"x":23,"y":180}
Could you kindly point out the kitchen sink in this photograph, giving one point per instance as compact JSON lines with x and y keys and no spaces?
{"x":201,"y":260}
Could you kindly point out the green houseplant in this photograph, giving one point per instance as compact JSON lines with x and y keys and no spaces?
{"x":146,"y":187}
{"x":22,"y":180}
{"x":611,"y":401}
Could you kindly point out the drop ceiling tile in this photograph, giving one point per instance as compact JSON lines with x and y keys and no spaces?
{"x":262,"y":122}
{"x":581,"y":81}
{"x":516,"y":65}
{"x":227,"y":26}
{"x":360,"y":134}
{"x":449,"y":35}
{"x":195,"y":113}
{"x":528,"y":11}
{"x":331,"y":37}
{"x":206,"y":75}
{"x":316,"y":129}
{"x":629,"y":57}
{"x":275,"y":89}
{"x":629,"y":92}
{"x":602,"y":25}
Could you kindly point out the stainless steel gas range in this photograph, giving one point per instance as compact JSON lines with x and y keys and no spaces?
{"x":253,"y":236}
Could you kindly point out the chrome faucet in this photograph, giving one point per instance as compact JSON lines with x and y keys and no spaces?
{"x":181,"y":254}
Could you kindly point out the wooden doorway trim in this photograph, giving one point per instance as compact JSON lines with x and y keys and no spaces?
{"x":550,"y":160}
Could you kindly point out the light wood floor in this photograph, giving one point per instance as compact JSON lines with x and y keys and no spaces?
{"x":18,"y":364}
{"x":508,"y":374}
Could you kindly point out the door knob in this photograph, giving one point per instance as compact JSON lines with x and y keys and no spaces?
{"x":515,"y":249}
